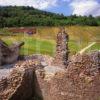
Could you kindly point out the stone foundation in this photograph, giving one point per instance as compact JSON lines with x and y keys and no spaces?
{"x":80,"y":81}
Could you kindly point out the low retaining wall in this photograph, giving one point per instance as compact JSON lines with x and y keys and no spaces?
{"x":19,"y":85}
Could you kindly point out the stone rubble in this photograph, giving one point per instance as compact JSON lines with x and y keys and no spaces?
{"x":40,"y":77}
{"x":17,"y":81}
{"x":80,"y":81}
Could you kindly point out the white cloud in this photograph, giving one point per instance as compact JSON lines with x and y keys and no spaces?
{"x":40,"y":4}
{"x":79,"y":7}
{"x":85,"y":7}
{"x":66,"y":0}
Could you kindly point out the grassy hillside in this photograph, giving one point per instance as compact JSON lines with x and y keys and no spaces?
{"x":44,"y":41}
{"x":29,"y":16}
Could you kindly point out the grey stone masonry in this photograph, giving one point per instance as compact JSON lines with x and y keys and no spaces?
{"x":9,"y":54}
{"x":62,"y":51}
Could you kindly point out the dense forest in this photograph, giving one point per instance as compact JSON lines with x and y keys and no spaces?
{"x":29,"y":16}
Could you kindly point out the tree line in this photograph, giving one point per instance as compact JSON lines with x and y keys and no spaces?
{"x":14,"y":16}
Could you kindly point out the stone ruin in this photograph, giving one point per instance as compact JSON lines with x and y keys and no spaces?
{"x":9,"y":54}
{"x":62,"y":51}
{"x":33,"y":80}
{"x":79,"y":81}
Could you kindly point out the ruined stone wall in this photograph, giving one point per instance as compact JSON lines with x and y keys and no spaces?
{"x":62,"y":51}
{"x":13,"y":82}
{"x":9,"y":54}
{"x":30,"y":80}
{"x":25,"y":90}
{"x":80,"y":81}
{"x":19,"y":84}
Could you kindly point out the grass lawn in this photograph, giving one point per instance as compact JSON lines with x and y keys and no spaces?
{"x":32,"y":44}
{"x":44,"y":42}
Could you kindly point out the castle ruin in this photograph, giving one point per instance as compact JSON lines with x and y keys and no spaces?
{"x":29,"y":80}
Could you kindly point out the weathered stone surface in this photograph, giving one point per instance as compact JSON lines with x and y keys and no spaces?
{"x":21,"y":81}
{"x":80,"y":81}
{"x":86,"y":76}
{"x":43,"y":84}
{"x":9,"y":54}
{"x":36,"y":78}
{"x":25,"y":89}
{"x":19,"y":84}
{"x":62,"y":51}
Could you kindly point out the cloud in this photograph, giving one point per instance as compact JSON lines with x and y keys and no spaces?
{"x":78,"y":7}
{"x":66,"y":0}
{"x":39,"y":4}
{"x":43,"y":4}
{"x":85,"y":7}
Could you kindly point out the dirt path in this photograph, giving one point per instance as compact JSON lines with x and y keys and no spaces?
{"x":84,"y":49}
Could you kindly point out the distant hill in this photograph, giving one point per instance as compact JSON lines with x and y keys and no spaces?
{"x":17,"y":16}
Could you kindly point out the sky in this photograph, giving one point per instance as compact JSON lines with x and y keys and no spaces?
{"x":67,"y":7}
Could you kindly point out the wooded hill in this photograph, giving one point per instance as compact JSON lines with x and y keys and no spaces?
{"x":13,"y":16}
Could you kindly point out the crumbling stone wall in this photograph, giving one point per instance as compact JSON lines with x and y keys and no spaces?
{"x":62,"y":51}
{"x":25,"y":90}
{"x":9,"y":54}
{"x":19,"y":84}
{"x":13,"y":82}
{"x":80,"y":81}
{"x":34,"y":80}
